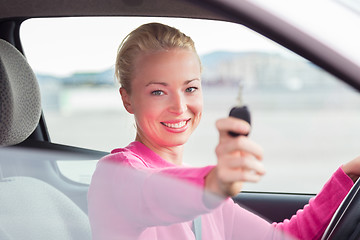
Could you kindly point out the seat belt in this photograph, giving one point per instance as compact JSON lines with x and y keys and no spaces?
{"x":197,"y":228}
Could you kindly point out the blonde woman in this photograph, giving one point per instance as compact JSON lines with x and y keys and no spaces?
{"x":160,"y":76}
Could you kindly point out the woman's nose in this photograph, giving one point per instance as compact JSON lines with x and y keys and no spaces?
{"x":178,"y":104}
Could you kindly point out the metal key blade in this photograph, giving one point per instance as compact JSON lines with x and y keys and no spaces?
{"x":240,"y":111}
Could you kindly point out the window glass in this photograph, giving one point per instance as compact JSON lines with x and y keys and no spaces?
{"x":304,"y":118}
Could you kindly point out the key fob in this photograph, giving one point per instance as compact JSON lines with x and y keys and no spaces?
{"x":241,"y":113}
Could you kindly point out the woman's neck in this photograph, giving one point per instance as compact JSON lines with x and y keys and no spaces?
{"x":172,"y":154}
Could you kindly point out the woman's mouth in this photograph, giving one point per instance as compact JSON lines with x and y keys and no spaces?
{"x":175,"y":125}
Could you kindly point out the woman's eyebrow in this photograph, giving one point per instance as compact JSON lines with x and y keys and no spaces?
{"x":166,"y":84}
{"x":189,"y":81}
{"x":156,"y":83}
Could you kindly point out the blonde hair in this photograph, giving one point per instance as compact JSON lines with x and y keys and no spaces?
{"x":144,"y":39}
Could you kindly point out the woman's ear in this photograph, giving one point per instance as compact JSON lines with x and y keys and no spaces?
{"x":126,"y":100}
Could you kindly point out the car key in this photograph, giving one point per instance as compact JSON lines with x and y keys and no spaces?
{"x":241,"y":111}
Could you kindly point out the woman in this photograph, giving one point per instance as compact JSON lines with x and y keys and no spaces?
{"x":160,"y":76}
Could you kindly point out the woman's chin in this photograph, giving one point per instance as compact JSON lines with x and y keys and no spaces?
{"x":174,"y":141}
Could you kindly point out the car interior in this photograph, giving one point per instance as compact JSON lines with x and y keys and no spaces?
{"x":35,"y":196}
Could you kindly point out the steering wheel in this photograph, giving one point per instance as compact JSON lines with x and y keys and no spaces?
{"x":345,"y":223}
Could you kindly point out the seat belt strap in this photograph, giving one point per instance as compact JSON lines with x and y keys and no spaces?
{"x":197,"y":228}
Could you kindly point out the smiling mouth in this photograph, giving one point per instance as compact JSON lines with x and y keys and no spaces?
{"x":175,"y":125}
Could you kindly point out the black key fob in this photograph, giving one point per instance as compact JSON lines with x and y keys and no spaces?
{"x":241,"y":113}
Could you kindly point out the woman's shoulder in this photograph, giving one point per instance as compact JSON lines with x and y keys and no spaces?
{"x":128,"y":155}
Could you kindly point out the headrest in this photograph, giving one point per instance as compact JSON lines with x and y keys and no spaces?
{"x":20,"y":104}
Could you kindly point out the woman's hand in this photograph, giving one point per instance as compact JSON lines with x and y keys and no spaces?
{"x":239,"y":159}
{"x":352,"y":168}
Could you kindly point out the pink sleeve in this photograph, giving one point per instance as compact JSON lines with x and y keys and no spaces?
{"x":311,"y":221}
{"x":124,"y":198}
{"x":240,"y":223}
{"x":160,"y":197}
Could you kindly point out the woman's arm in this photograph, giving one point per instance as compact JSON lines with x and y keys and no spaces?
{"x":308,"y":223}
{"x":311,"y":221}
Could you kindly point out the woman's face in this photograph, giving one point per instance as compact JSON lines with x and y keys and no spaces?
{"x":166,"y":97}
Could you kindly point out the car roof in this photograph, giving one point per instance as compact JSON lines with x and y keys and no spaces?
{"x":45,"y":8}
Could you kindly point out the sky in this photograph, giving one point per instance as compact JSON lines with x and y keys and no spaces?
{"x":62,"y":46}
{"x":92,"y":43}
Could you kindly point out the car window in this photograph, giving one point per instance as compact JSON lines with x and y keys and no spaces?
{"x":304,"y":118}
{"x":327,"y":29}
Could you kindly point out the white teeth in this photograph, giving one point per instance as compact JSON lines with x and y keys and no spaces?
{"x":175,"y":125}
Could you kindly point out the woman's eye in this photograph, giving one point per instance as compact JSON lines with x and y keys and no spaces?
{"x":157,"y":93}
{"x":191,"y":89}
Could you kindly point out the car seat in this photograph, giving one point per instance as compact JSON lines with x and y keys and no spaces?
{"x":30,"y":207}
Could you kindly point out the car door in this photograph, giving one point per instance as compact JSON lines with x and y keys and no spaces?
{"x":293,"y":102}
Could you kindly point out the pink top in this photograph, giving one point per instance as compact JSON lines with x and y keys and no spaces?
{"x":135,"y":194}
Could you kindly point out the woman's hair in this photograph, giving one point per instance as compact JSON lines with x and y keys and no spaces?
{"x":147,"y":38}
